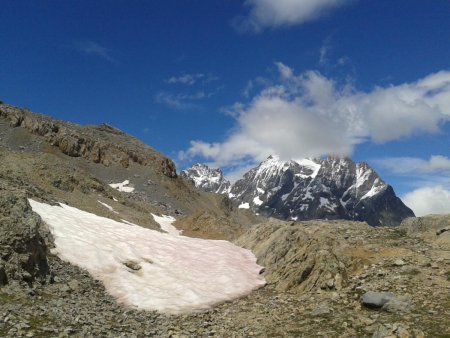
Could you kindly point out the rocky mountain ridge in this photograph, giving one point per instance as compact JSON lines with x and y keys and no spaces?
{"x":207,"y":179}
{"x":100,"y":144}
{"x":332,"y":188}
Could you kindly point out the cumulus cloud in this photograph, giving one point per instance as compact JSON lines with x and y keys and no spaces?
{"x":428,"y":200}
{"x":310,"y":115}
{"x":270,"y":13}
{"x":413,"y":165}
{"x":93,"y":48}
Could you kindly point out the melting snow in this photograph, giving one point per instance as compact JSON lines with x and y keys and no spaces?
{"x":315,"y":167}
{"x":325,"y":202}
{"x":129,"y":223}
{"x":165,"y":222}
{"x":122,"y":186}
{"x":373,"y":191}
{"x":257,"y":201}
{"x":362,"y":174}
{"x":110,"y":208}
{"x":147,"y":269}
{"x":244,"y":206}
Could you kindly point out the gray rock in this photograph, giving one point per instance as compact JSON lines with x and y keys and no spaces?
{"x":397,"y":305}
{"x":377,"y":299}
{"x":399,"y":262}
{"x":22,"y":244}
{"x":441,"y":231}
{"x":74,"y":285}
{"x":322,"y":310}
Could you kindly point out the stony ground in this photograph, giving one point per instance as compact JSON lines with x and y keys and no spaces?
{"x":318,"y":271}
{"x":414,"y":270}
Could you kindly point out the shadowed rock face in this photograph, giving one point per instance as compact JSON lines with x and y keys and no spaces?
{"x":22,"y":246}
{"x":99,"y":144}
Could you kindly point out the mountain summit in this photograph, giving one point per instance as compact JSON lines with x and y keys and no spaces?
{"x":207,"y":179}
{"x":332,"y":188}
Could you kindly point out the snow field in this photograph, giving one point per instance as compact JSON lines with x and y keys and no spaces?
{"x":147,"y":269}
{"x":123,"y":187}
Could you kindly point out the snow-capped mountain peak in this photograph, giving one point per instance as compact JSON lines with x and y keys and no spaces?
{"x":206,"y":178}
{"x":310,"y":188}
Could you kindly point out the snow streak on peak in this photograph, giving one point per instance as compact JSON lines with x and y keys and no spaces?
{"x":309,"y":163}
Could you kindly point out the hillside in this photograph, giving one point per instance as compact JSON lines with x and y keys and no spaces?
{"x":319,"y":274}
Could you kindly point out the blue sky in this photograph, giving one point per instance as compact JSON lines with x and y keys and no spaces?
{"x":228,"y":82}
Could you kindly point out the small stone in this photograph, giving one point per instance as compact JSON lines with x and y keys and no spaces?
{"x":132,"y":265}
{"x":321,"y":310}
{"x":399,"y":262}
{"x":74,"y":285}
{"x":403,"y":333}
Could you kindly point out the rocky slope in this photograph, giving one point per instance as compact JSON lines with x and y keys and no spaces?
{"x":319,"y":272}
{"x":99,"y":144}
{"x":333,"y":188}
{"x":364,"y":261}
{"x":32,"y":165}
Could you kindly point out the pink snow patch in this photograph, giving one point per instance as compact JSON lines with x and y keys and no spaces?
{"x":148,"y":269}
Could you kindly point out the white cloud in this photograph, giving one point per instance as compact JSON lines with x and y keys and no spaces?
{"x":93,"y":48}
{"x":199,"y":88}
{"x":191,"y":79}
{"x":428,"y":200}
{"x":311,"y":115}
{"x":413,"y":165}
{"x":187,"y":79}
{"x":270,"y":13}
{"x":324,"y":51}
{"x":182,"y":100}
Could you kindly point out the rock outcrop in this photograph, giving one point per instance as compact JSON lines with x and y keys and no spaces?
{"x":99,"y":144}
{"x":23,"y":248}
{"x":301,"y":256}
